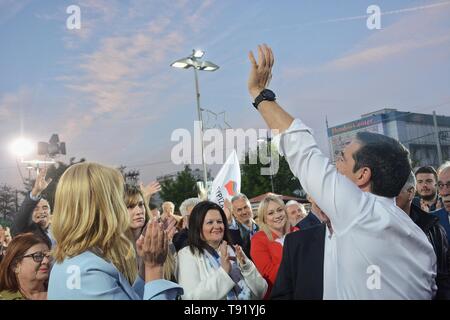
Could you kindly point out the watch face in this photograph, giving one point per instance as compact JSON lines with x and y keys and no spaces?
{"x":269,"y":95}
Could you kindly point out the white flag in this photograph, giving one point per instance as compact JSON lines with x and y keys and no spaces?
{"x":228,"y":180}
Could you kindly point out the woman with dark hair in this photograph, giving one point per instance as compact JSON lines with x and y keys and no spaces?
{"x":25,"y":268}
{"x":211,"y":269}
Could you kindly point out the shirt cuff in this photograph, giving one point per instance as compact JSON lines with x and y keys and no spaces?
{"x":34,"y":198}
{"x":162,"y":290}
{"x":296,"y":125}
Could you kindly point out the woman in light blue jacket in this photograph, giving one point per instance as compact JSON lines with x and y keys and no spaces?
{"x":94,"y":259}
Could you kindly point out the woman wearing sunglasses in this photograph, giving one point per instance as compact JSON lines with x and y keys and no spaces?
{"x":25,"y":269}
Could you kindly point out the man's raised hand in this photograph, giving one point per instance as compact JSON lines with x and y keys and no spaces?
{"x":40,"y":184}
{"x":261,"y":71}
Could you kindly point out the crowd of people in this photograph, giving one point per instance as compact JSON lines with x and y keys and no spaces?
{"x":374,"y":229}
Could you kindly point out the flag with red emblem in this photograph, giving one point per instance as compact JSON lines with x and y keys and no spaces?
{"x":228,"y":180}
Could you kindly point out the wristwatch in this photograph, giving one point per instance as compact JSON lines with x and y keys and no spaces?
{"x":265,"y":95}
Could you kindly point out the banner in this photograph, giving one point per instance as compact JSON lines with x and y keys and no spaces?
{"x":228,"y":180}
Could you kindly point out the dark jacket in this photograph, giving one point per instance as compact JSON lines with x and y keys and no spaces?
{"x":300,"y":276}
{"x":309,"y":221}
{"x":438,"y":238}
{"x":443,"y":215}
{"x":24,"y":223}
{"x":245,"y":237}
{"x":180,"y":239}
{"x":416,"y":202}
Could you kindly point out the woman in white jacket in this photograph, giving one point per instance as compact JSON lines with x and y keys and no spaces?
{"x":211,"y":269}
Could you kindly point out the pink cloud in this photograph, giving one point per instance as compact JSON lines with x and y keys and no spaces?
{"x":419,"y":29}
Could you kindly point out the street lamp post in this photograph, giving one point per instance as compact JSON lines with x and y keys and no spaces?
{"x":194,"y":61}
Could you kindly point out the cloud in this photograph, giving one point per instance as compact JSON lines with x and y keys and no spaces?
{"x":195,"y":19}
{"x":112,"y":78}
{"x":10,"y":8}
{"x":12,"y":103}
{"x":129,"y":65}
{"x":427,"y":7}
{"x":419,"y":30}
{"x":383,"y":52}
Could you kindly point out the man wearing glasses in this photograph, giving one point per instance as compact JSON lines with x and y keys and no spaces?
{"x":444,"y":192}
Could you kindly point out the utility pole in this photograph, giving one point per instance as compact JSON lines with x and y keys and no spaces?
{"x":436,"y":136}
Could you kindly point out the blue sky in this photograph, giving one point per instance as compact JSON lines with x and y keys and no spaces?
{"x":109,"y":92}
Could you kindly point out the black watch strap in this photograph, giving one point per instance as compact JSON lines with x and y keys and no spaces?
{"x":265,"y":95}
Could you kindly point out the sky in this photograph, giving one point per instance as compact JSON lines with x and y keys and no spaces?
{"x":109,"y":92}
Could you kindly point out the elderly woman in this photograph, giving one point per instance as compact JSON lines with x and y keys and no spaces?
{"x":211,"y":269}
{"x":25,"y":268}
{"x":94,"y":258}
{"x":267,"y":244}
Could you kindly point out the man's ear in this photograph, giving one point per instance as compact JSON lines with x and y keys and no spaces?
{"x":363,"y":177}
{"x":411,"y":193}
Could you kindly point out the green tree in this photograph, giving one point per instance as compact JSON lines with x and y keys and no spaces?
{"x":8,"y":204}
{"x":179,"y":188}
{"x":253,"y":183}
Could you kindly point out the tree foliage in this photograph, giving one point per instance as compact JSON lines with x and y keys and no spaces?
{"x":253,"y":183}
{"x":179,"y":188}
{"x":8,"y":204}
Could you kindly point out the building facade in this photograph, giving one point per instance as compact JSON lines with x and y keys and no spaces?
{"x":416,"y":131}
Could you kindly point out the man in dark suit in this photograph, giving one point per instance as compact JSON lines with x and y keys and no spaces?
{"x":34,"y":213}
{"x":300,"y":276}
{"x":243,"y":221}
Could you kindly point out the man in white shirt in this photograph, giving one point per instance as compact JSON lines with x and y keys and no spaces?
{"x":375,"y":250}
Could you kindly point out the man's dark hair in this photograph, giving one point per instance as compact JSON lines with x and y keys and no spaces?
{"x":195,"y":229}
{"x":388,"y":161}
{"x":427,"y":169}
{"x":152,"y":206}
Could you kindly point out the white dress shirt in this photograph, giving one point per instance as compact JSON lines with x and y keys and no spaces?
{"x":376,"y":251}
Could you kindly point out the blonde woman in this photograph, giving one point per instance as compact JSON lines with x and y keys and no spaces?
{"x":267,"y":244}
{"x":94,"y":259}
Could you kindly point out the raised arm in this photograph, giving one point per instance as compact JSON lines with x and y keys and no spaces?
{"x":259,"y":78}
{"x":335,"y":194}
{"x":23,"y":220}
